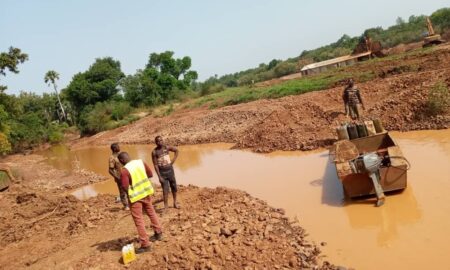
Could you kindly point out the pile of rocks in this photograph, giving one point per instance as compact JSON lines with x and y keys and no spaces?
{"x":229,"y":229}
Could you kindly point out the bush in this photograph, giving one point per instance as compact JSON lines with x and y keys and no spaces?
{"x":213,"y":106}
{"x":103,"y":116}
{"x":169,"y":110}
{"x":119,"y":110}
{"x":207,"y":89}
{"x":97,"y":119}
{"x":285,"y":68}
{"x":5,"y":146}
{"x":438,"y":99}
{"x":55,"y":133}
{"x":125,"y":121}
{"x":27,"y":131}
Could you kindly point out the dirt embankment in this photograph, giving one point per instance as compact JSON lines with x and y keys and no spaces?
{"x":42,"y":226}
{"x":397,"y":95}
{"x":33,"y":170}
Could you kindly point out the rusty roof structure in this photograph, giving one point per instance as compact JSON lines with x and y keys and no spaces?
{"x":335,"y":60}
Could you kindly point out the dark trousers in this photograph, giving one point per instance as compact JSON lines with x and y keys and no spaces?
{"x":354,"y":110}
{"x":168,"y":179}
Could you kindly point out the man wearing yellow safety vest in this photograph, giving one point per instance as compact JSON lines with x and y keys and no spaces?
{"x":135,"y":177}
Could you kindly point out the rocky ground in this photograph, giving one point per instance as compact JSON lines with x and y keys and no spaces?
{"x":397,"y":95}
{"x":42,"y":226}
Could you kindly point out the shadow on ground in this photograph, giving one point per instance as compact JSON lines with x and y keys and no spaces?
{"x":114,"y":244}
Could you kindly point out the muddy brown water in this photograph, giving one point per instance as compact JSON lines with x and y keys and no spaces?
{"x":411,"y":231}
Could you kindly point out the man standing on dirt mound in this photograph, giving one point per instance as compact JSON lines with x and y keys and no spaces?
{"x":114,"y":170}
{"x":164,"y":169}
{"x":135,"y":178}
{"x":352,"y":100}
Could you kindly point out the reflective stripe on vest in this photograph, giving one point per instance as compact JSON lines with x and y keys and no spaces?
{"x":141,"y":186}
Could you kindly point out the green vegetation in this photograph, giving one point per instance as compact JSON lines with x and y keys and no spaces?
{"x":105,"y":115}
{"x":438,"y":99}
{"x":98,"y":99}
{"x":402,"y":32}
{"x":236,"y":95}
{"x":5,"y":145}
{"x":163,"y":79}
{"x":97,"y":84}
{"x":243,"y":94}
{"x":28,"y":120}
{"x":95,"y":97}
{"x":103,"y":97}
{"x":10,"y":61}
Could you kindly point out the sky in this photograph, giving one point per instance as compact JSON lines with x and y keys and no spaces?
{"x":221,"y":37}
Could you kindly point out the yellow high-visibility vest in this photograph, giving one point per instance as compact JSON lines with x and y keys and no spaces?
{"x":140,"y":186}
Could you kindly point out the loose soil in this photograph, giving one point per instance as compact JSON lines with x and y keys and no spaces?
{"x":42,"y":226}
{"x":397,"y":96}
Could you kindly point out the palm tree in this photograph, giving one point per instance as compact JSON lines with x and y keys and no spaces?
{"x":50,"y":78}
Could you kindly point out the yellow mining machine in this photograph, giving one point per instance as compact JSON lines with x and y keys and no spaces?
{"x":432,"y":38}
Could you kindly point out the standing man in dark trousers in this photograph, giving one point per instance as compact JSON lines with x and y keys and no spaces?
{"x":164,"y":169}
{"x":352,"y":100}
{"x":115,"y":168}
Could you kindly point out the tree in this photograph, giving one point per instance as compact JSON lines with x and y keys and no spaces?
{"x":170,"y":70}
{"x":285,"y":68}
{"x":97,"y":84}
{"x":46,"y":106}
{"x":5,"y":145}
{"x":50,"y":78}
{"x":142,"y":88}
{"x":4,"y":127}
{"x":132,"y":89}
{"x":28,"y":130}
{"x":399,"y":21}
{"x":10,"y":61}
{"x":273,"y":63}
{"x":441,"y":18}
{"x":159,"y":82}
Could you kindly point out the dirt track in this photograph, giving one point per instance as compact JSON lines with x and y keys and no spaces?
{"x":46,"y":228}
{"x":397,"y":96}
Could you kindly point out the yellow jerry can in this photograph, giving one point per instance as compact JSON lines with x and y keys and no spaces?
{"x":128,"y":254}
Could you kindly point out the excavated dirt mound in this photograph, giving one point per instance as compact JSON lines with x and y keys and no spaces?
{"x":216,"y":229}
{"x":397,"y":96}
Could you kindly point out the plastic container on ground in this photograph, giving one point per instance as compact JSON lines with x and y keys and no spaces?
{"x":352,"y":131}
{"x":342,"y":133}
{"x":378,"y":126}
{"x":370,"y":128}
{"x":362,"y":132}
{"x":128,"y":254}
